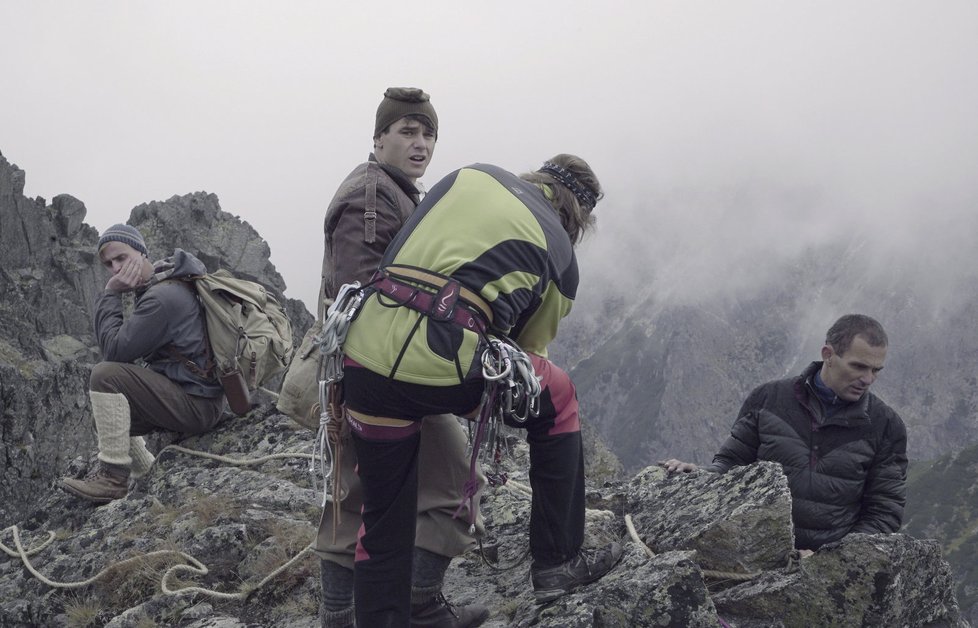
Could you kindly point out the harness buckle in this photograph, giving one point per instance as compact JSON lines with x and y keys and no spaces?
{"x":443,"y":305}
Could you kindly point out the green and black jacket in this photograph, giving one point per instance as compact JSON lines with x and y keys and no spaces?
{"x":498,"y":236}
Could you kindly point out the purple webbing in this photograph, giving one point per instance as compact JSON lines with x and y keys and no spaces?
{"x":471,"y":487}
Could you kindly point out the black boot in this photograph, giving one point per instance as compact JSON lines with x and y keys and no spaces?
{"x":440,"y":613}
{"x":552,"y":582}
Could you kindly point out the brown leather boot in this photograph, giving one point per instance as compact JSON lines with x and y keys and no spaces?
{"x":107,"y":483}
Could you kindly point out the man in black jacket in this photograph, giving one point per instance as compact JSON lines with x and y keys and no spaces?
{"x":844,"y":450}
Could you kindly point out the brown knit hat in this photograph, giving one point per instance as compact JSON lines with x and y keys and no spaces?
{"x":403,"y":101}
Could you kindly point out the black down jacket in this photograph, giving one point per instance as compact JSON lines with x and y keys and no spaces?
{"x":846,"y":473}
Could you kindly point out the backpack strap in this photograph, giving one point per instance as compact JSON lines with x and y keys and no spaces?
{"x":322,"y":301}
{"x":206,"y":373}
{"x":370,"y":205}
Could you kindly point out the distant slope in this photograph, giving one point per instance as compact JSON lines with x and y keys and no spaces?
{"x":943,"y":504}
{"x":666,"y":375}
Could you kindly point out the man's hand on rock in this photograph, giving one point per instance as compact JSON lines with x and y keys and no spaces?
{"x":672,"y":465}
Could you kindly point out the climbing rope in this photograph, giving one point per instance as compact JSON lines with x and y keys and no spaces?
{"x":525,"y":491}
{"x":241,"y":462}
{"x":634,"y":536}
{"x":190,"y":565}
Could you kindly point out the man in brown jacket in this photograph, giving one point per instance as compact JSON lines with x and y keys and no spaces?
{"x":366,"y":213}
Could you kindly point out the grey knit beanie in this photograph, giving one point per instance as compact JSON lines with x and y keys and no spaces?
{"x":126,"y":235}
{"x":403,"y":101}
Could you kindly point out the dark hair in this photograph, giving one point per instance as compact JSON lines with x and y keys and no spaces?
{"x":842,"y":332}
{"x":575,"y":218}
{"x":417,"y":117}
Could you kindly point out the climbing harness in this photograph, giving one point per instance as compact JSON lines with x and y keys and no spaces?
{"x":436,"y":296}
{"x":512,"y":390}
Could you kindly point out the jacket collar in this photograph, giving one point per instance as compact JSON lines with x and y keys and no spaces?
{"x":853,"y":413}
{"x":401,"y":179}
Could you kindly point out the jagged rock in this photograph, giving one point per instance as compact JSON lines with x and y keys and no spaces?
{"x":240,"y":522}
{"x":48,"y":279}
{"x":737,"y":522}
{"x":45,"y":423}
{"x":69,"y":215}
{"x":196,"y":223}
{"x":65,"y":347}
{"x":862,"y":580}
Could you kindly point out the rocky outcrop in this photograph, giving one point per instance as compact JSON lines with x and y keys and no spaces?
{"x":863,"y":580}
{"x":709,"y":514}
{"x":48,"y":271}
{"x":48,"y":280}
{"x":46,"y":422}
{"x":722,"y":550}
{"x":196,"y":223}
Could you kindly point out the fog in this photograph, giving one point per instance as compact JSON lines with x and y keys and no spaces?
{"x":724,"y":132}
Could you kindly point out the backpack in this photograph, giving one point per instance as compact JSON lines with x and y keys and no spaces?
{"x":248,"y":332}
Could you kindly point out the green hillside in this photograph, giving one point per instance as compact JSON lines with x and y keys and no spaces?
{"x":942,"y":504}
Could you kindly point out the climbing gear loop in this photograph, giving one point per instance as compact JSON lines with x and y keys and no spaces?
{"x":327,"y":447}
{"x":511,"y":395}
{"x":508,"y":367}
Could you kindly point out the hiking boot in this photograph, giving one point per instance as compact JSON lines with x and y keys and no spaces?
{"x":336,"y":619}
{"x":106,"y":484}
{"x":589,"y":565}
{"x":439,"y":613}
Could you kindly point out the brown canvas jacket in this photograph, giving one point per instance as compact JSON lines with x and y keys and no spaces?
{"x":365,"y":214}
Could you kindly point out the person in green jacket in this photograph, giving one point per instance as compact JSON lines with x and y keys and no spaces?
{"x":485,"y":255}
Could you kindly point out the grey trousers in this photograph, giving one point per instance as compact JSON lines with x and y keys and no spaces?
{"x":443,"y":470}
{"x":155,"y":401}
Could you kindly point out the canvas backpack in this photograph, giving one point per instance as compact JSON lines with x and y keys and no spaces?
{"x":249,"y":335}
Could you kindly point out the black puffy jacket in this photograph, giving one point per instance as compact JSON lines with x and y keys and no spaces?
{"x":846,"y":473}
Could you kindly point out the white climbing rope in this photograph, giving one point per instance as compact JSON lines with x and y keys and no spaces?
{"x":190,"y":565}
{"x":242,"y":462}
{"x":633,"y":533}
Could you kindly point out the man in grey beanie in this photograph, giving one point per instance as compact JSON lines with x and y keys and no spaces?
{"x":127,"y":399}
{"x":366,"y":213}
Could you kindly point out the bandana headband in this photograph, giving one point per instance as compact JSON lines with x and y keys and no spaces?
{"x":583,"y":193}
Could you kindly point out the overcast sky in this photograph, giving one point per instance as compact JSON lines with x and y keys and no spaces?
{"x":745,"y":123}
